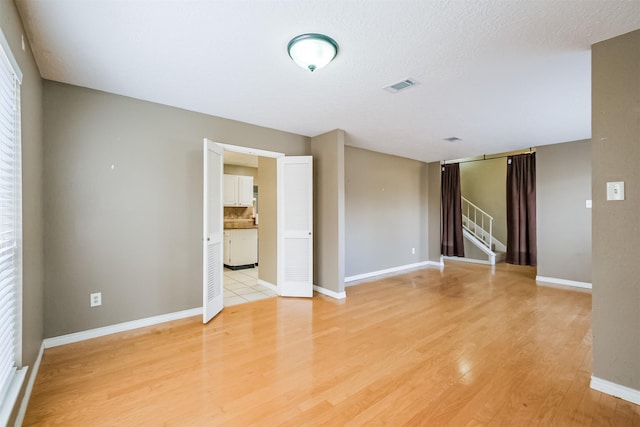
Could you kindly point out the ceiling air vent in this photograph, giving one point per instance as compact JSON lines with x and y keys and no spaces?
{"x":453,"y":139}
{"x":401,"y":85}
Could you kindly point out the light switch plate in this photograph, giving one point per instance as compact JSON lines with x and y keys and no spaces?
{"x":615,"y":190}
{"x":588,"y":204}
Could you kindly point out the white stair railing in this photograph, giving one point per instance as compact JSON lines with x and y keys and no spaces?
{"x":477,"y":222}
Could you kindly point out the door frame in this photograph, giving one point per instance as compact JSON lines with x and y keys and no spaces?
{"x":253,"y":151}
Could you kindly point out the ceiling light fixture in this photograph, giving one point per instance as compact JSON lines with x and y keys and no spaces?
{"x":312,"y":51}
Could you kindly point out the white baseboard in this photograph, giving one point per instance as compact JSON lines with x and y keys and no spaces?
{"x":120,"y":327}
{"x":389,"y":271}
{"x":617,"y":390}
{"x":572,"y":283}
{"x":436,"y":263}
{"x":329,"y":293}
{"x":470,"y":260}
{"x":268,"y":285}
{"x":27,"y":391}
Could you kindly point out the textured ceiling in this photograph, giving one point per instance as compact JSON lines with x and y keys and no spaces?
{"x":501,"y":75}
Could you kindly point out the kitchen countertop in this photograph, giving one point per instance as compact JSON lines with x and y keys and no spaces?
{"x":239,"y":223}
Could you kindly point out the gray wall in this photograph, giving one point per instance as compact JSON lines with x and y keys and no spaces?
{"x":385,"y":211}
{"x":32,"y":211}
{"x":329,"y":210}
{"x":133,"y":232}
{"x":484,"y":183}
{"x":471,"y":251}
{"x":616,"y":229}
{"x":563,"y":184}
{"x":268,"y":220}
{"x":434,"y":212}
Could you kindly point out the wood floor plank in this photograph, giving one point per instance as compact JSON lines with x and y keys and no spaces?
{"x":465,"y":346}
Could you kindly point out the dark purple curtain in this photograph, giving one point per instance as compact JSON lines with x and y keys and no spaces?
{"x":521,"y":210}
{"x":452,"y":240}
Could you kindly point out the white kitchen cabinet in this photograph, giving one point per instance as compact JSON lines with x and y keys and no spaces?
{"x":238,"y":190}
{"x":245,"y":190}
{"x":229,"y":190}
{"x":240,"y":247}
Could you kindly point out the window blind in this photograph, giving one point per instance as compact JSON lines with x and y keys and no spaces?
{"x":10,"y":220}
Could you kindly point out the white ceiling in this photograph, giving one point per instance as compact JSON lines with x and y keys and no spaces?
{"x":501,"y":75}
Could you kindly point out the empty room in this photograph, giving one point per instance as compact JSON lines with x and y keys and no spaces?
{"x":234,"y":213}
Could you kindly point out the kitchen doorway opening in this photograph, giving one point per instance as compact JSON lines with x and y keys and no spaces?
{"x":250,"y":229}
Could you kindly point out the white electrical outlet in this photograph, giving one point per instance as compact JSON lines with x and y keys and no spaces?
{"x":413,"y":251}
{"x":615,"y":190}
{"x":96,"y":299}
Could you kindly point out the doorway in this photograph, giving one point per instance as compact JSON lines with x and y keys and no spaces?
{"x":245,"y":227}
{"x":292,"y":247}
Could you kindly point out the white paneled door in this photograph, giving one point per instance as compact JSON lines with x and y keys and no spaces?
{"x":212,"y":230}
{"x":295,"y":226}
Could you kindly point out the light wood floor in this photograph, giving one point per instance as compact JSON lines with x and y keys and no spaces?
{"x":460,"y":347}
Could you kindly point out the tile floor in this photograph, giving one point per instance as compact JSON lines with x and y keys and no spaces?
{"x":242,"y":286}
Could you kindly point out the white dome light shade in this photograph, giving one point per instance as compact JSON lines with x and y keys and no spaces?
{"x":312,"y":51}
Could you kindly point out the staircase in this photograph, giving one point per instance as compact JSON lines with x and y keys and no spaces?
{"x":477,"y":227}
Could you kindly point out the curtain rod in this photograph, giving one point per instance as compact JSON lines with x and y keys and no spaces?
{"x":484,"y":157}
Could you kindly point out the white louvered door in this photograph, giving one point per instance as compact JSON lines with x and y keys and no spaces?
{"x":212,"y":231}
{"x":295,"y":245}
